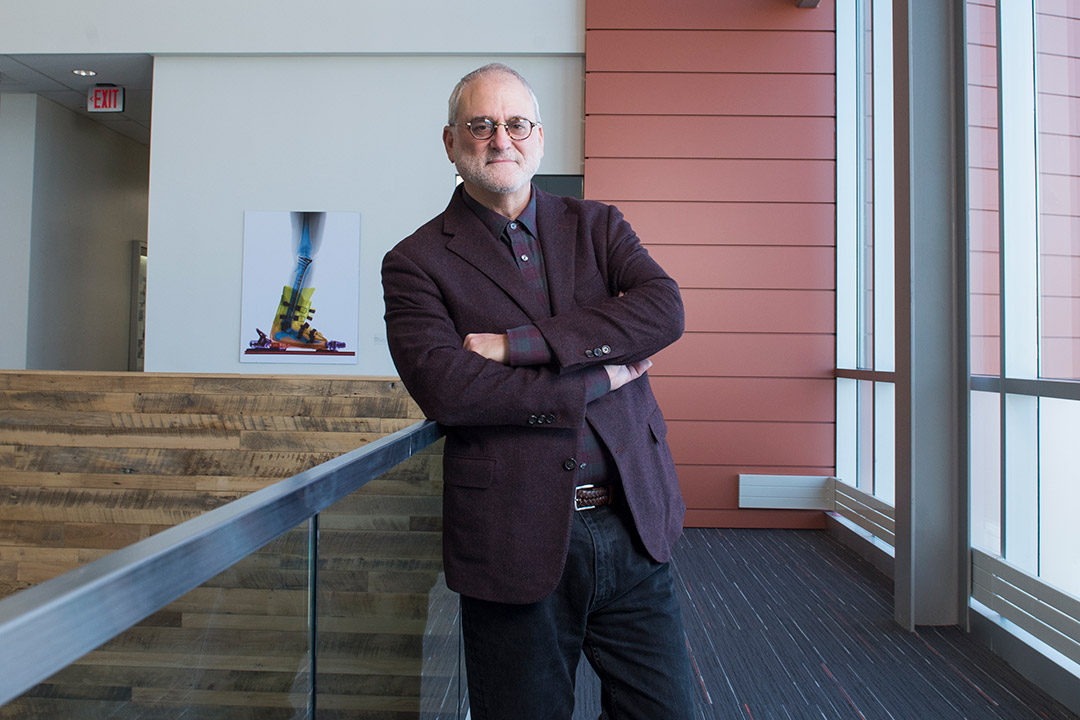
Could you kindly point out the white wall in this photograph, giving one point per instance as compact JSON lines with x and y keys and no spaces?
{"x":90,"y":200}
{"x":17,"y":126}
{"x":290,"y":27}
{"x":280,"y":105}
{"x":358,"y":133}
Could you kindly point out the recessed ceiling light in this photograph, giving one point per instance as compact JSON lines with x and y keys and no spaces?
{"x":84,"y":73}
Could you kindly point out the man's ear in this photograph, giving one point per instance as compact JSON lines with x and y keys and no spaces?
{"x":448,"y":142}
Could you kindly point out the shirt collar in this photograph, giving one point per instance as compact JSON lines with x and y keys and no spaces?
{"x":497,"y":223}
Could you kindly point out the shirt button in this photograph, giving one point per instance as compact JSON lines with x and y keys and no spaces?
{"x":513,"y":226}
{"x":569,"y":464}
{"x":524,"y":258}
{"x":582,"y":466}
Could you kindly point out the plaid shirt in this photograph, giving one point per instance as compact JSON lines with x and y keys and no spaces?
{"x":528,"y":346}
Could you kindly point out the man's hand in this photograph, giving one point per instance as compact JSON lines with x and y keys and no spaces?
{"x":622,"y":374}
{"x":492,"y":346}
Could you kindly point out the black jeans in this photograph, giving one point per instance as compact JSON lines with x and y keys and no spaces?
{"x":613,"y":601}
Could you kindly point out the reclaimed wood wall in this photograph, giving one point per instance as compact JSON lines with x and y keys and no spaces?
{"x":93,"y":462}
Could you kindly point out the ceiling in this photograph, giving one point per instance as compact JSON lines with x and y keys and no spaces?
{"x":51,"y":77}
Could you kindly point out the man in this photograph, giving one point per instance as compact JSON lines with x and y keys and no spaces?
{"x":523,"y":322}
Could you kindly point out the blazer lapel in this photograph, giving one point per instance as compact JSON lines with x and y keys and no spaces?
{"x":557,"y":227}
{"x":472,"y":242}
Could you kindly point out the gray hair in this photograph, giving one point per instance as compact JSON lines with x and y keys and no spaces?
{"x":489,"y":69}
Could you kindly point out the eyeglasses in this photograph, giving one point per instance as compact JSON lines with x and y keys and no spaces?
{"x":482,"y":128}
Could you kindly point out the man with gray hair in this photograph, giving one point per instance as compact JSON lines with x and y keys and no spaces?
{"x":523,"y":322}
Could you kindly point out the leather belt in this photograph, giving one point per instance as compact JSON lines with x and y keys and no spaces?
{"x":587,"y":497}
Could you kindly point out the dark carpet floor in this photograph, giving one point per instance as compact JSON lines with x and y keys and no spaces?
{"x":791,"y":625}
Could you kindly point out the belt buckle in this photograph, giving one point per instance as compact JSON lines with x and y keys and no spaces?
{"x":579,"y":508}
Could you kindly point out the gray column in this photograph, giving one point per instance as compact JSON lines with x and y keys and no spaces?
{"x":931,"y":503}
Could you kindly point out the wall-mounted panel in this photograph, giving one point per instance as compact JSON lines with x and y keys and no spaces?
{"x":732,"y":223}
{"x":712,"y":126}
{"x":674,"y":94}
{"x":694,"y":136}
{"x":708,"y":180}
{"x":699,"y":14}
{"x":764,"y":51}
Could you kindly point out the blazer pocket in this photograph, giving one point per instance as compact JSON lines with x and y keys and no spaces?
{"x":468,"y":471}
{"x":658,"y":425}
{"x":591,"y":290}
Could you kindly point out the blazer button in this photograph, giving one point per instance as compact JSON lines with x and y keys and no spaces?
{"x":606,"y":349}
{"x":588,"y":353}
{"x":533,"y":419}
{"x":597,"y":352}
{"x":550,"y":419}
{"x":569,"y":464}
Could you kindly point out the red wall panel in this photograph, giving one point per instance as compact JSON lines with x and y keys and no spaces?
{"x":759,"y":311}
{"x":732,"y":223}
{"x":723,"y":51}
{"x":695,"y":136}
{"x":712,"y":126}
{"x":749,"y":267}
{"x":743,"y":355}
{"x":699,"y":14}
{"x":710,"y":180}
{"x":746,"y":399}
{"x":673,"y":94}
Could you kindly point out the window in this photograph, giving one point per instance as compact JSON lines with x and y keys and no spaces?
{"x":865,"y":324}
{"x":1024,"y":250}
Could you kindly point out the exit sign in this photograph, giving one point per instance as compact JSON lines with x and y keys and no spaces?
{"x":105,"y":98}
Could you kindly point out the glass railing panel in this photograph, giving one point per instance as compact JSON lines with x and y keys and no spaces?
{"x":239,"y":647}
{"x":387,"y":626}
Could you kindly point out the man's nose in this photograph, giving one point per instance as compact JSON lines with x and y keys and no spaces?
{"x":501,"y":139}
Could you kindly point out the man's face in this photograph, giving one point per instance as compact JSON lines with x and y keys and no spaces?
{"x":498,"y":164}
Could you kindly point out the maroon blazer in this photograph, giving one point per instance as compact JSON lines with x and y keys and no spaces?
{"x":508,"y":483}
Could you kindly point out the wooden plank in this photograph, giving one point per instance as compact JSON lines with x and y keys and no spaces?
{"x":77,"y":437}
{"x":196,"y":421}
{"x":277,"y":385}
{"x":170,"y":403}
{"x":30,"y":533}
{"x":97,"y":382}
{"x":173,"y":461}
{"x":286,"y":405}
{"x":111,"y":535}
{"x":66,"y":400}
{"x":119,"y":481}
{"x":309,"y":442}
{"x":157,"y":507}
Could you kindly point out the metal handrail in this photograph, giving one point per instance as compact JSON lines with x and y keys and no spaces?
{"x":45,"y":628}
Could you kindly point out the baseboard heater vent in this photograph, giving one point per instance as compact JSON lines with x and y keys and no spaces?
{"x":786,"y":492}
{"x":812,"y":492}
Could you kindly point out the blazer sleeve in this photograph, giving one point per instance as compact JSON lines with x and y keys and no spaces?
{"x":458,"y":387}
{"x":640,"y":313}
